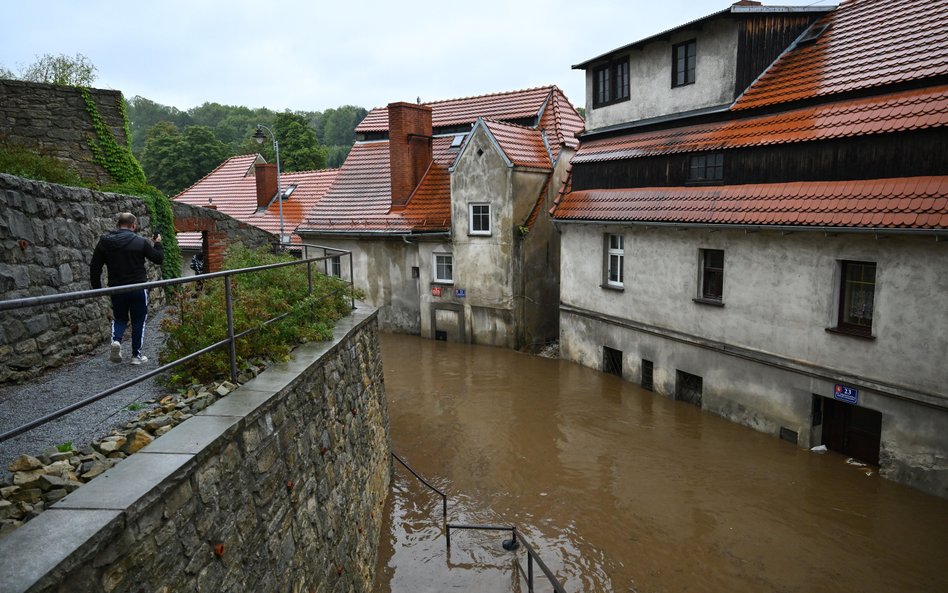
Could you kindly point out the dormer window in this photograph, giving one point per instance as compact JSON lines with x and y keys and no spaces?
{"x":706,"y":167}
{"x":611,"y":82}
{"x":683,"y":63}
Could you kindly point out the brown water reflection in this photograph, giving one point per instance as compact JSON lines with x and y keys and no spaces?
{"x":623,"y":490}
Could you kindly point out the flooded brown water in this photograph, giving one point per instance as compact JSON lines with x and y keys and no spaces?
{"x":624,"y":490}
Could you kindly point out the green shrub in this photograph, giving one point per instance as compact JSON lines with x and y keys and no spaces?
{"x":199,"y":316}
{"x":22,"y":162}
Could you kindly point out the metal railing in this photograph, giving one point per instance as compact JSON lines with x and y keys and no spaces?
{"x":516,"y":538}
{"x":230,"y":340}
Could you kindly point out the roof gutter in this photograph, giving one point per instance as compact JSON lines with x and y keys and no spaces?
{"x":377,"y":234}
{"x":939,"y":234}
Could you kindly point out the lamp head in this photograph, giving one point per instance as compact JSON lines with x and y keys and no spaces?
{"x":258,"y":136}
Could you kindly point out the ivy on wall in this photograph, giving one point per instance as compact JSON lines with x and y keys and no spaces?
{"x":129,"y":179}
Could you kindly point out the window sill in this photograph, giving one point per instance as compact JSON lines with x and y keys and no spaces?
{"x":479,"y":234}
{"x":612,"y":102}
{"x":678,"y":86}
{"x":711,"y":302}
{"x":842,"y":331}
{"x":442,"y":282}
{"x":612,"y":287}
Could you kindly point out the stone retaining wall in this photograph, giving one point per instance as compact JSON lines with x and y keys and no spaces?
{"x":53,"y":120}
{"x":277,"y":487}
{"x":47,"y":235}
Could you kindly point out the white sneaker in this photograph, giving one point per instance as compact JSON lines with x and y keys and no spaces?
{"x":116,"y":355}
{"x":139,"y":359}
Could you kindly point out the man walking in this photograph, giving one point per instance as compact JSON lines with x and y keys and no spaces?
{"x":123,"y":253}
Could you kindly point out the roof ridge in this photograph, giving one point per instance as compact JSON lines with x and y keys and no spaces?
{"x":497,"y":94}
{"x":215,"y":169}
{"x":505,"y":123}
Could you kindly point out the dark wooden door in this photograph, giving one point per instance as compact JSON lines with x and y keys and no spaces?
{"x":852,"y":430}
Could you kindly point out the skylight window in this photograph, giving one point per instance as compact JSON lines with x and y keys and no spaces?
{"x":289,"y":190}
{"x":457,"y":141}
{"x":813,"y":33}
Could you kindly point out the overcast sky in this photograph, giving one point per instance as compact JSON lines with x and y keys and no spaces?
{"x":312,"y":55}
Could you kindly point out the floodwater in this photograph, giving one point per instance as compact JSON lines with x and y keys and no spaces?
{"x":620,"y":489}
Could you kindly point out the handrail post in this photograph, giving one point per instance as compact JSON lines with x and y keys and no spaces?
{"x":309,"y":280}
{"x":351,"y":282}
{"x":529,"y":572}
{"x":230,"y":329}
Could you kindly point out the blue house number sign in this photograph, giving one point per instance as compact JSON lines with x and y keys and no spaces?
{"x":850,"y":395}
{"x":459,"y":293}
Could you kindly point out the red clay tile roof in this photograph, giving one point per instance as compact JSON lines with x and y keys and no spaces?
{"x":233,"y":189}
{"x":523,"y":146}
{"x":360,"y":200}
{"x":895,"y":112}
{"x":562,"y":123}
{"x":899,"y":203}
{"x":869,"y":43}
{"x":456,"y":112}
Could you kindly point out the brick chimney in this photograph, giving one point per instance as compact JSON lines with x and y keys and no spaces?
{"x":409,"y":148}
{"x":266,"y":176}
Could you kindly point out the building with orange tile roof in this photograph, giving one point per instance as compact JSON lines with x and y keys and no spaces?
{"x":756,"y":222}
{"x":245,"y":187}
{"x":444,"y":206}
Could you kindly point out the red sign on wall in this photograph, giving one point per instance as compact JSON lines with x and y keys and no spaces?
{"x":435,"y":291}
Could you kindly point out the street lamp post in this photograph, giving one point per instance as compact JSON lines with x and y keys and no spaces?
{"x":259,"y":137}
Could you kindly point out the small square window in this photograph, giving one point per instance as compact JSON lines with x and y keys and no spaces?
{"x":712,"y":275}
{"x":706,"y":167}
{"x":857,"y":297}
{"x":480,"y":219}
{"x":684,"y":56}
{"x":444,"y":268}
{"x":615,"y":261}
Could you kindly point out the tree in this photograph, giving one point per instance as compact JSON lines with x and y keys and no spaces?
{"x":61,"y":69}
{"x":338,"y":125}
{"x":5,"y":73}
{"x":173,"y":161}
{"x":299,"y":148}
{"x":144,"y":113}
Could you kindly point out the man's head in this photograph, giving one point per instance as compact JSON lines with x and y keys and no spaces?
{"x":127,"y":220}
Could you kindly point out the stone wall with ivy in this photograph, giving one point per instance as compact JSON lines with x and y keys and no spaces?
{"x":56,"y":121}
{"x":47,"y":234}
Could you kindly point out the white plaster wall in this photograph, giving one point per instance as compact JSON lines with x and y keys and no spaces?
{"x":382,"y":269}
{"x":780,"y":294}
{"x":651,"y":93}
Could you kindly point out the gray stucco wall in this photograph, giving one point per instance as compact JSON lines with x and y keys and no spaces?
{"x":47,"y":235}
{"x":651,"y":93}
{"x":766,"y":352}
{"x":53,"y":120}
{"x":277,"y":487}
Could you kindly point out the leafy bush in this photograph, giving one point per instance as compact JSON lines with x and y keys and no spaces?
{"x":22,"y":162}
{"x":199,"y":317}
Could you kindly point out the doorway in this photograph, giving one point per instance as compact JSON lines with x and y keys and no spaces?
{"x":851,"y":430}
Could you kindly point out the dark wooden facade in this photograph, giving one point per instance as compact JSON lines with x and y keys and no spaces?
{"x":761,"y":39}
{"x":866,"y":157}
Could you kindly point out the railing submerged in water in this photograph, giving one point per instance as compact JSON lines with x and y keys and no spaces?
{"x":230,"y":340}
{"x":512,"y":544}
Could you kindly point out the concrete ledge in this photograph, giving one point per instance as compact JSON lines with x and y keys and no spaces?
{"x":45,"y":543}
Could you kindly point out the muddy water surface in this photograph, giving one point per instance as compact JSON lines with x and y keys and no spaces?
{"x":624,"y":490}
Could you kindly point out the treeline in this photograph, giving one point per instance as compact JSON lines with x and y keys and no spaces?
{"x":177,"y":148}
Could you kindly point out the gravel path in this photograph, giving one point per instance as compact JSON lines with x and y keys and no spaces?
{"x":84,"y":377}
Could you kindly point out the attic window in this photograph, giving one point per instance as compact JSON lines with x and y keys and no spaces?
{"x":813,"y":33}
{"x":457,"y":141}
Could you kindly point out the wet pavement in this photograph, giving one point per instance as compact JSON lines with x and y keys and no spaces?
{"x":624,"y":490}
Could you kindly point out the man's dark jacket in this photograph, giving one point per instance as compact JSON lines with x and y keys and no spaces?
{"x":124,"y":253}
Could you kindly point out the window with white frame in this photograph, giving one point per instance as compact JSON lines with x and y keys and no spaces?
{"x":615,"y":260}
{"x":480,"y":219}
{"x":444,"y":268}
